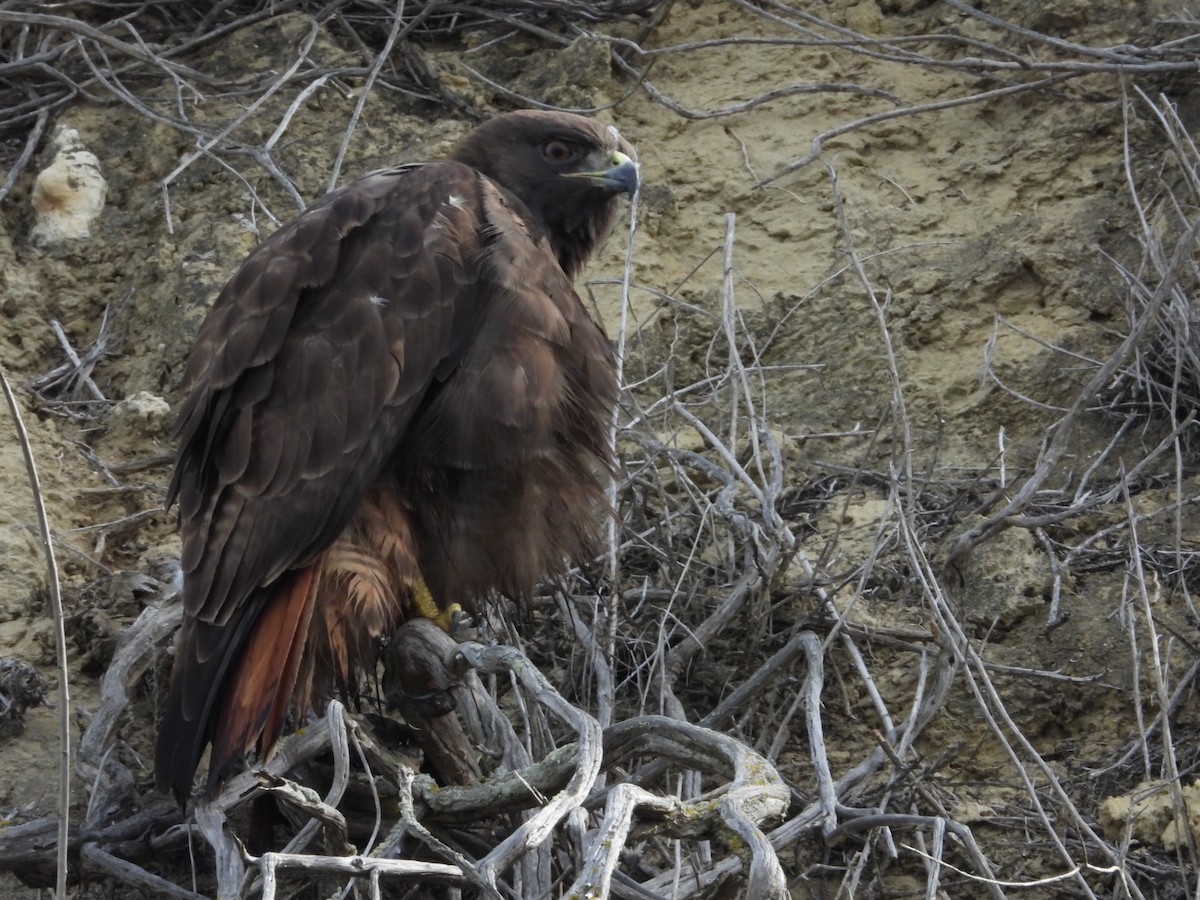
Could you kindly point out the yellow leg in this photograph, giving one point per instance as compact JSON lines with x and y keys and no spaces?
{"x":426,"y":606}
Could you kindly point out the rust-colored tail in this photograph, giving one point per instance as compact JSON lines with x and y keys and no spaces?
{"x":297,"y":639}
{"x":231,"y":683}
{"x":260,"y":690}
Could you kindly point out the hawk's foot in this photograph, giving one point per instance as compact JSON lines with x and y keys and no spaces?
{"x":450,"y":619}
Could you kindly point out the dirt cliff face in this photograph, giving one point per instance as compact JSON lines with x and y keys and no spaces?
{"x":912,"y":312}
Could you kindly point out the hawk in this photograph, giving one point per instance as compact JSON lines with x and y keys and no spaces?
{"x":397,"y":405}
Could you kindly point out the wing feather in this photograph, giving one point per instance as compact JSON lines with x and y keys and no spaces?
{"x":298,"y":397}
{"x":368,"y":240}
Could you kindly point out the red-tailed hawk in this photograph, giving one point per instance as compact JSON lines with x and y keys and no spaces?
{"x":397,"y":404}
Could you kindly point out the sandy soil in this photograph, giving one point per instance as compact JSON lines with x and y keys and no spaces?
{"x":989,"y":231}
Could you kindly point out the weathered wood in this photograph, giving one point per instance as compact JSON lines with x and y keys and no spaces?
{"x":28,"y":850}
{"x":355,"y":866}
{"x":418,"y":679}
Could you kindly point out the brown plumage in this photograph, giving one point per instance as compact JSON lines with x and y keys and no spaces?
{"x":398,"y":389}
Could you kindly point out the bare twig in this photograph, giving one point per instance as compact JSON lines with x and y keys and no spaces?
{"x":962,"y":546}
{"x":60,"y":639}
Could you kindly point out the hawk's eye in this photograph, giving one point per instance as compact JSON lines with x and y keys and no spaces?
{"x":558,"y":151}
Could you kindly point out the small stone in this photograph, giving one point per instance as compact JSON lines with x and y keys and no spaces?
{"x":140,"y":415}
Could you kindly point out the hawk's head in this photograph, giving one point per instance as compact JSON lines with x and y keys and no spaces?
{"x":566,"y":169}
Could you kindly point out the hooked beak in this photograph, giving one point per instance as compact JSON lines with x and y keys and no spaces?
{"x":621,"y":176}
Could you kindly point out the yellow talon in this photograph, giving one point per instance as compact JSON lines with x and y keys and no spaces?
{"x":448,"y":618}
{"x":427,"y":607}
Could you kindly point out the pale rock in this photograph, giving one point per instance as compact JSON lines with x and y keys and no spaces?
{"x":68,"y":194}
{"x":139,"y":415}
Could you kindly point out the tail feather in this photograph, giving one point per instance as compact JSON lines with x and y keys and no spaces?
{"x":260,"y":689}
{"x":233,"y":683}
{"x":204,"y":655}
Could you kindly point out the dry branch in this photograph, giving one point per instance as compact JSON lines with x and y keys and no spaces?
{"x":60,"y":641}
